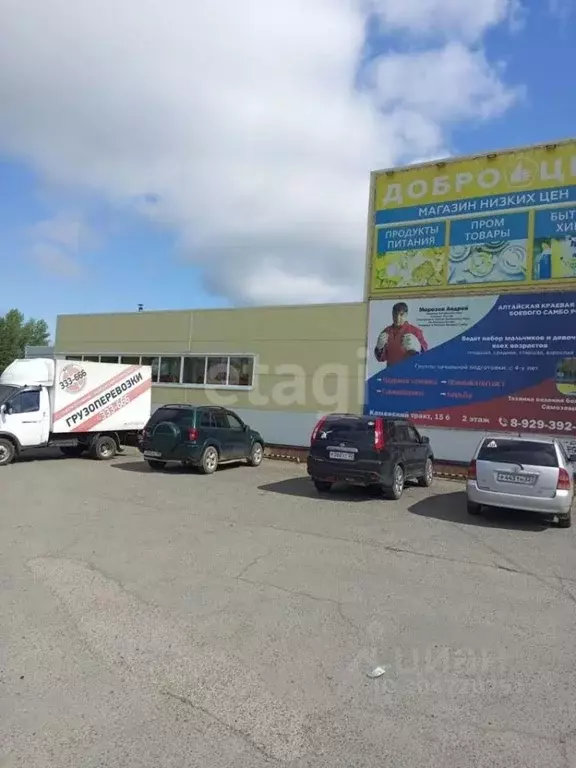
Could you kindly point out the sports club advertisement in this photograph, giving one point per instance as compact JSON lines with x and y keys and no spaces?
{"x":505,"y":362}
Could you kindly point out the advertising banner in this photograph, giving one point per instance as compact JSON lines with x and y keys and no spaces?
{"x":504,"y":223}
{"x":475,"y":362}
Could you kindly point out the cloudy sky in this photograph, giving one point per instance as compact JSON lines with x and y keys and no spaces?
{"x":210,"y":152}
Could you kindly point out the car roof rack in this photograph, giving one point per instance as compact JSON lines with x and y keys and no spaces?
{"x":192,"y":405}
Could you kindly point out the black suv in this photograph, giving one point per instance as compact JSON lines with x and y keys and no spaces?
{"x":199,"y":436}
{"x":370,"y":451}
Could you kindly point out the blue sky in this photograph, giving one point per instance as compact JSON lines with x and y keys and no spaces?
{"x":75,"y":242}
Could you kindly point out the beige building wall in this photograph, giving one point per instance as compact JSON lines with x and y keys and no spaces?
{"x":308,"y":359}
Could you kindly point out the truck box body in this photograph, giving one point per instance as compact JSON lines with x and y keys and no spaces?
{"x":51,"y":402}
{"x":109,"y":396}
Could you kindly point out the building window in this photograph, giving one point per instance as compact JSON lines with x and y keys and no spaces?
{"x":191,"y":370}
{"x":169,"y":370}
{"x":194,"y":371}
{"x":241,"y":372}
{"x":218,"y":370}
{"x":153,"y":363}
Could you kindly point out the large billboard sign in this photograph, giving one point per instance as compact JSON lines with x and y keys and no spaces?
{"x":497,"y":223}
{"x":503,"y":362}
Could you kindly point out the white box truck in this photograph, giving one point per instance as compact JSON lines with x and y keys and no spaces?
{"x":75,"y":406}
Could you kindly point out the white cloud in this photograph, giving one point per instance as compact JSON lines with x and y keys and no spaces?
{"x":449,"y":18}
{"x":70,"y":231}
{"x":238,"y":124}
{"x":58,"y":243}
{"x":441,"y":86}
{"x":55,"y":260}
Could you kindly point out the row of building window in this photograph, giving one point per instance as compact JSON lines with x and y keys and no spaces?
{"x":193,"y":370}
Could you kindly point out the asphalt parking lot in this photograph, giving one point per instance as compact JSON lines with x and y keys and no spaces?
{"x":170,"y":619}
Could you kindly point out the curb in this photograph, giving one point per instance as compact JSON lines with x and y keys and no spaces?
{"x":450,"y":475}
{"x":283,"y":457}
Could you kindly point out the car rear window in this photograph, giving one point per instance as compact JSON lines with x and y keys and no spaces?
{"x":348,"y":424}
{"x":176,"y":415}
{"x":519,"y":452}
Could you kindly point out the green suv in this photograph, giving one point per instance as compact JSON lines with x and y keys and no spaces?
{"x":199,"y":436}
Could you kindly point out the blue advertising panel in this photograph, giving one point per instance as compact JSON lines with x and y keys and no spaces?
{"x":504,"y":362}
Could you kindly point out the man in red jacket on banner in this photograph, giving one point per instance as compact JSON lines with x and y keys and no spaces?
{"x":400,"y":340}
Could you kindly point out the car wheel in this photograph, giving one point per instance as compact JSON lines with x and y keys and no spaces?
{"x":566,"y":521}
{"x":322,"y":486}
{"x":397,"y":488}
{"x":209,"y":461}
{"x":256,"y":455}
{"x":472,"y":508}
{"x":103,"y":448}
{"x":428,"y":477}
{"x":155,"y":464}
{"x":7,"y":452}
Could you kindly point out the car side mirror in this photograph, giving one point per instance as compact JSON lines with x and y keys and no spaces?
{"x":572,"y":459}
{"x":245,"y":427}
{"x":424,"y":439}
{"x":5,"y":408}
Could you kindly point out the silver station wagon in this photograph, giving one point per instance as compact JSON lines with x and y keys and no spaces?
{"x":530,"y":474}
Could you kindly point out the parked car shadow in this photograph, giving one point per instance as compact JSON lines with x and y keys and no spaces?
{"x":175,"y":468}
{"x":303,"y":487}
{"x":451,"y":507}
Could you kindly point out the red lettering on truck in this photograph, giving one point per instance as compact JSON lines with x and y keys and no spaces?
{"x":107,"y":403}
{"x":77,"y":404}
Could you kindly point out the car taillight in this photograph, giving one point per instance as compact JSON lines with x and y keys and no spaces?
{"x":379,"y":436}
{"x":472,"y":470}
{"x":317,"y":429}
{"x":192,"y":435}
{"x":564,"y":483}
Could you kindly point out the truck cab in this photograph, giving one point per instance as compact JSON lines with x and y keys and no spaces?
{"x":25,"y":414}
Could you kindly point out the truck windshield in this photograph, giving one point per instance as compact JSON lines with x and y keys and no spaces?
{"x":6,"y":391}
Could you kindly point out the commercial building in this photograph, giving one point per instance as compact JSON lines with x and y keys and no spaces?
{"x":468,"y":324}
{"x":277,"y":367}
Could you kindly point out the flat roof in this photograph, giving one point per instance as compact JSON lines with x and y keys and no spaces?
{"x":334,"y":304}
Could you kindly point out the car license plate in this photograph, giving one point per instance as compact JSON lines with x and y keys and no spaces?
{"x":512,"y":477}
{"x":341,"y":455}
{"x":152,"y":454}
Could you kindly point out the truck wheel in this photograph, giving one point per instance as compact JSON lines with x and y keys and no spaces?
{"x":209,"y":461}
{"x":7,"y":452}
{"x":103,"y":448}
{"x":73,"y":451}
